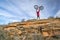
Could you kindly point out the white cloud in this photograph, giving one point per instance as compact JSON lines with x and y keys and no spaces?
{"x":57,"y":14}
{"x":6,"y":14}
{"x":26,"y":7}
{"x":12,"y":20}
{"x":17,"y":10}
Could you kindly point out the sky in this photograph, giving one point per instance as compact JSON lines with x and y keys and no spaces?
{"x":16,"y":10}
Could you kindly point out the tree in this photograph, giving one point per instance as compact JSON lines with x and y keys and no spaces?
{"x":50,"y":17}
{"x":57,"y":17}
{"x":22,"y":20}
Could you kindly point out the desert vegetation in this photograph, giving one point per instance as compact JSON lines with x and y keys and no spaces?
{"x":19,"y":32}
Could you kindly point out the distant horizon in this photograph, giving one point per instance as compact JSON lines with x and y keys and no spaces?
{"x":29,"y":19}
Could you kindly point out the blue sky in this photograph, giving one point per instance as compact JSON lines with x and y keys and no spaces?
{"x":16,"y":10}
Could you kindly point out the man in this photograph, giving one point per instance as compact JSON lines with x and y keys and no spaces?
{"x":38,"y":15}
